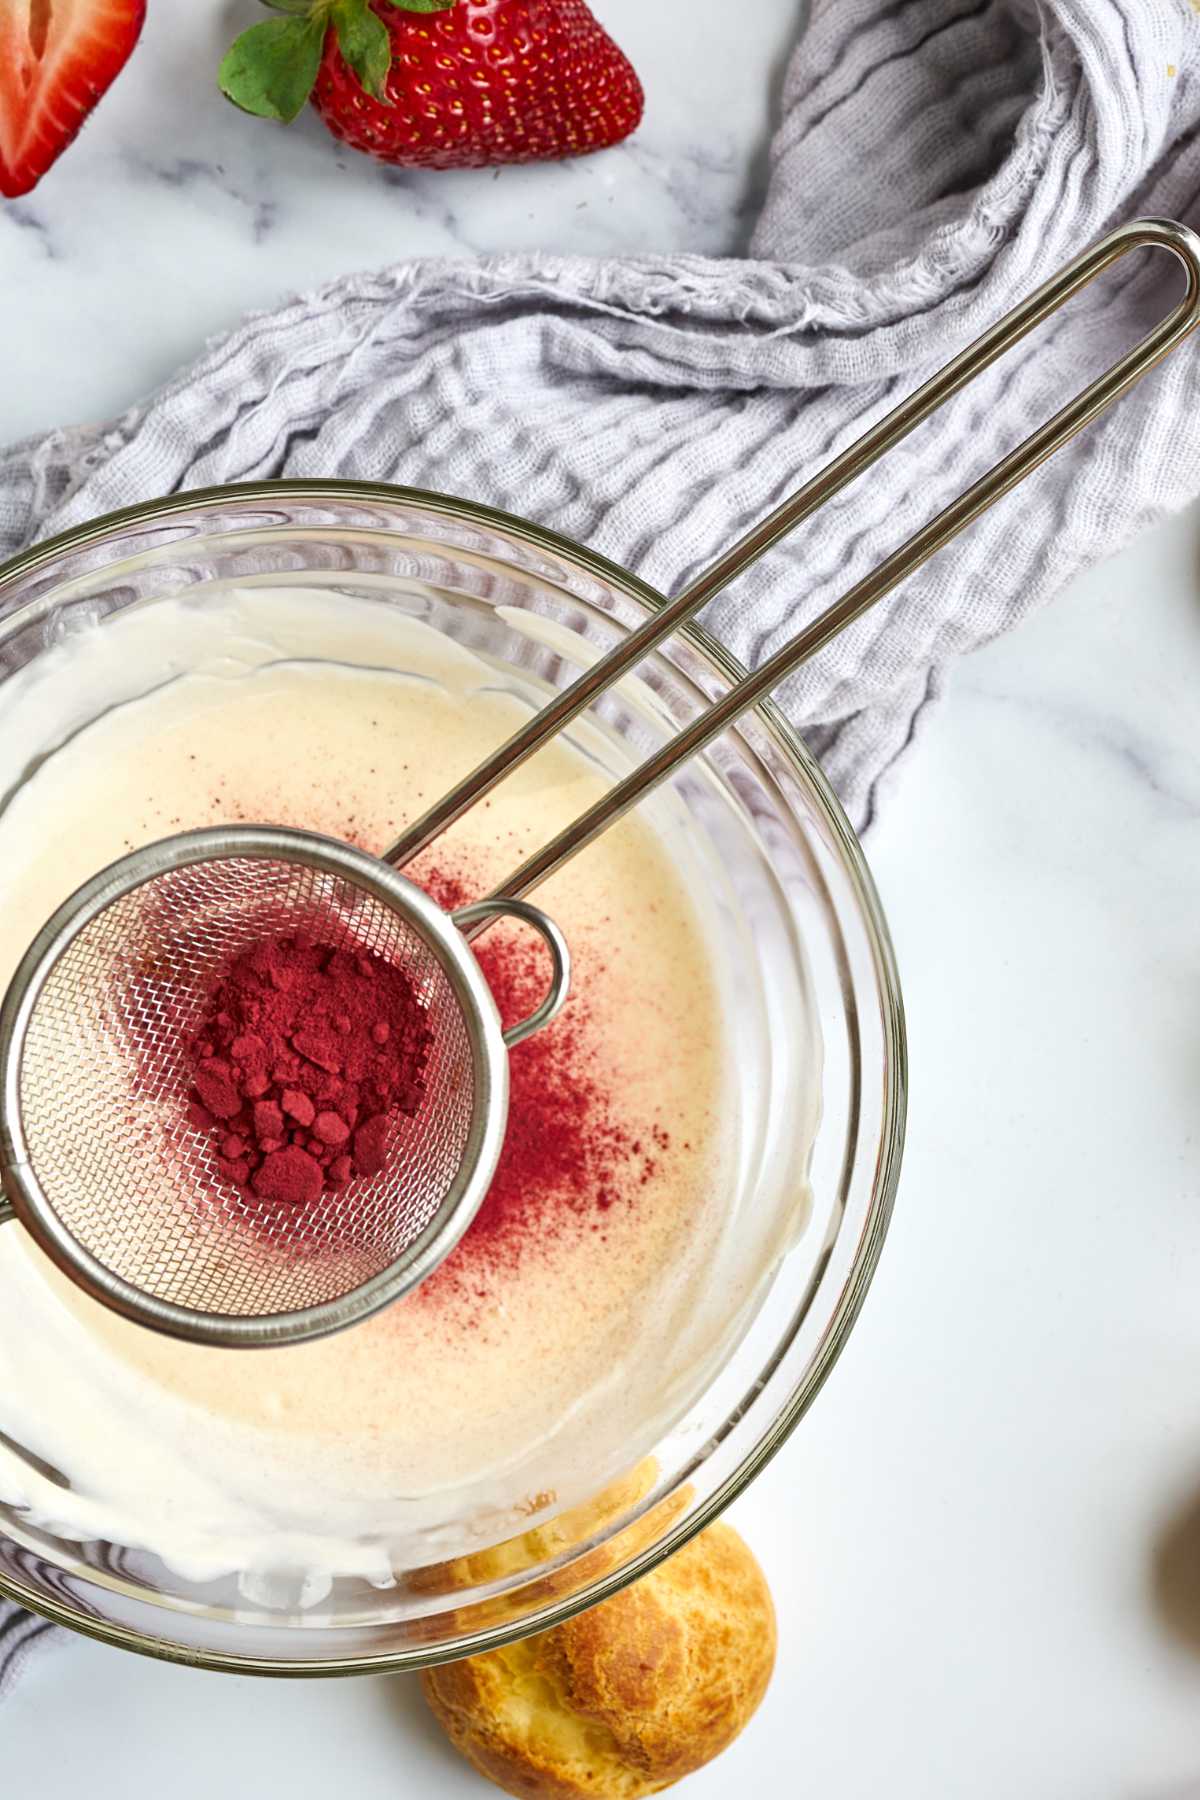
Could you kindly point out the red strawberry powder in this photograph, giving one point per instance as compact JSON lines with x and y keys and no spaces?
{"x":306,"y":1052}
{"x":304,"y":1055}
{"x":569,"y":1153}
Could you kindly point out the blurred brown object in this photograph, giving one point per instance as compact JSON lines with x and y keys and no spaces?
{"x":630,"y":1696}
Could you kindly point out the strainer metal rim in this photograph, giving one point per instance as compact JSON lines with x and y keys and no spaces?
{"x":32,"y":1206}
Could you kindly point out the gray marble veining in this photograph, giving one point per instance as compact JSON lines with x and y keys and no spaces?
{"x":174,"y":214}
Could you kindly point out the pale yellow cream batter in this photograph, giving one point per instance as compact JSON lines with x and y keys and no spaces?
{"x":436,"y":1424}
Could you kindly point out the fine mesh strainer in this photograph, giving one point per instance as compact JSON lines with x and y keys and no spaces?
{"x":97,"y":1159}
{"x":126,"y":1194}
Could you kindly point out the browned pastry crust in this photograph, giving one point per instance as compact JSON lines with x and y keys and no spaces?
{"x":628,"y":1697}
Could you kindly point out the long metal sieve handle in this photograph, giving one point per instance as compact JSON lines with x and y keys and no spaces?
{"x":852,"y":462}
{"x":982,"y":494}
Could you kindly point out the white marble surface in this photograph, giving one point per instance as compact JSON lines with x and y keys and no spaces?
{"x":174,"y":213}
{"x":985,"y":1539}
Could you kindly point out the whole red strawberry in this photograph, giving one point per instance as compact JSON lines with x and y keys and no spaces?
{"x":57,"y":57}
{"x":441,"y":84}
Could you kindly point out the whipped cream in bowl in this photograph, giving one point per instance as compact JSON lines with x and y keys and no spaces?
{"x":701,"y":1152}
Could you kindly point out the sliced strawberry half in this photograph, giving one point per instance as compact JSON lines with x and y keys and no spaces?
{"x":57,"y":57}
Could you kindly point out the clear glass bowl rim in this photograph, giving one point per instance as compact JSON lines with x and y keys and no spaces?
{"x":790,"y":744}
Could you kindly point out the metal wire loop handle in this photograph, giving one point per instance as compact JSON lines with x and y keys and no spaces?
{"x":484,"y":913}
{"x":1165,"y":234}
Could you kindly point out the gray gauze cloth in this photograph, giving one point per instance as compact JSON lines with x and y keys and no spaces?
{"x":936,"y":160}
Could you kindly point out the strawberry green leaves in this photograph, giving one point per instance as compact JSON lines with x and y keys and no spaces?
{"x":270,"y":69}
{"x":364,"y":42}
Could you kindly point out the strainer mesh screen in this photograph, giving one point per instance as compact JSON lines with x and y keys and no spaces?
{"x":105,"y":1078}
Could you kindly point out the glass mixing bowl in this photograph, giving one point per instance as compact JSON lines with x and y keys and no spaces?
{"x":809,"y":961}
